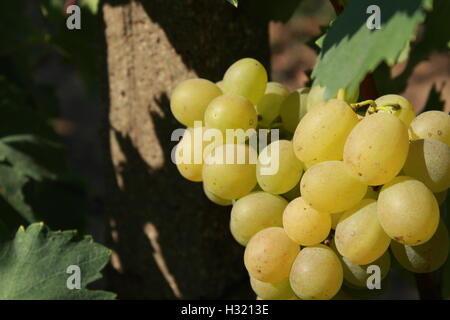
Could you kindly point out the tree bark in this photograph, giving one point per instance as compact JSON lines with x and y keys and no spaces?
{"x":168,"y":241}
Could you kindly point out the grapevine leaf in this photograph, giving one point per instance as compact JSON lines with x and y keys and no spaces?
{"x":34,"y":265}
{"x":350,"y":49}
{"x":233,"y":2}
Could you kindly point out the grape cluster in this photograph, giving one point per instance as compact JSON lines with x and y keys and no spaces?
{"x":352,"y":180}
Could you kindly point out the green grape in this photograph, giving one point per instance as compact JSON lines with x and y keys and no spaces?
{"x":246,"y":77}
{"x":293,"y":193}
{"x":431,"y":125}
{"x":397,"y":106}
{"x":427,"y":257}
{"x":329,"y":187}
{"x":268,"y":107}
{"x":376,"y":149}
{"x":316,"y":273}
{"x":429,"y":161}
{"x":255,"y":212}
{"x":359,"y":236}
{"x":230,"y":111}
{"x":220,"y":84}
{"x":408,"y":211}
{"x":317,"y":97}
{"x":272,"y":291}
{"x":216,"y":199}
{"x":229,"y":171}
{"x":304,"y":224}
{"x":335,"y":219}
{"x":371,"y":194}
{"x":278,"y":170}
{"x":269,"y":255}
{"x":190,"y":99}
{"x":357,"y":274}
{"x":189,"y":154}
{"x":440,"y":197}
{"x":321,"y":134}
{"x":293,"y":109}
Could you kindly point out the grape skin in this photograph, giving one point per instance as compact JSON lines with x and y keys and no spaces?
{"x":216,"y":199}
{"x":255,"y":212}
{"x":405,"y":113}
{"x":329,"y":187}
{"x":408,"y":211}
{"x":429,"y":161}
{"x":191,"y":169}
{"x":293,"y":109}
{"x":268,"y":107}
{"x":316,"y":273}
{"x":246,"y":77}
{"x":305,"y":225}
{"x":289,"y":171}
{"x":376,"y":149}
{"x":431,"y":125}
{"x":427,"y":257}
{"x":230,"y":180}
{"x":269,"y":255}
{"x":272,"y":291}
{"x":359,"y":236}
{"x":230,"y":111}
{"x":190,"y":99}
{"x":321,"y":134}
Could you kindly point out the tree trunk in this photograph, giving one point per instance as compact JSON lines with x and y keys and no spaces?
{"x":168,"y":241}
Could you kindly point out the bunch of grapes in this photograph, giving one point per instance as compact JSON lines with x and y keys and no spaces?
{"x":352,"y":180}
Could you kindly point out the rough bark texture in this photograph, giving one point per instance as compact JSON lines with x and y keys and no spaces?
{"x":168,"y":240}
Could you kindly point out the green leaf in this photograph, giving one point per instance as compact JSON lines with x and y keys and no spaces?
{"x":34,"y":265}
{"x":233,"y":2}
{"x":92,"y":5}
{"x":350,"y":50}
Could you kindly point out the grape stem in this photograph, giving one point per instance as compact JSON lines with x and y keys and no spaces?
{"x":356,"y":106}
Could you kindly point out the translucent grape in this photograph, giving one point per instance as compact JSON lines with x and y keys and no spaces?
{"x":329,"y":187}
{"x":359,"y":236}
{"x":255,"y":212}
{"x":269,"y":255}
{"x":220,"y":84}
{"x":427,"y":257}
{"x":335,"y":219}
{"x":293,"y":109}
{"x":431,"y":125}
{"x":230,"y":111}
{"x":397,"y":106}
{"x":304,"y":224}
{"x":440,"y":197}
{"x":357,"y":275}
{"x":429,"y":161}
{"x":317,"y":97}
{"x":278,"y":169}
{"x":293,"y":193}
{"x":316,"y":273}
{"x":321,"y":134}
{"x":246,"y":77}
{"x":190,"y":99}
{"x":216,"y":199}
{"x":408,"y":211}
{"x":229,"y":171}
{"x":268,"y":107}
{"x":272,"y":291}
{"x":376,"y":149}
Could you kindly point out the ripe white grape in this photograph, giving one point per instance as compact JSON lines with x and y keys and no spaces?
{"x":408,"y":211}
{"x":376,"y":149}
{"x":230,"y":111}
{"x":293,"y":193}
{"x":359,"y":236}
{"x":404,"y":111}
{"x":293,"y":109}
{"x":316,"y":273}
{"x":246,"y":77}
{"x":278,"y":170}
{"x":321,"y":134}
{"x":329,"y":187}
{"x":426,"y":257}
{"x":431,"y":125}
{"x":272,"y":291}
{"x":268,"y":107}
{"x":255,"y":212}
{"x":335,"y":219}
{"x":230,"y":179}
{"x":440,"y":197}
{"x":317,"y":97}
{"x":429,"y":161}
{"x":190,"y":99}
{"x":216,"y":199}
{"x":269,"y":255}
{"x":304,"y":224}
